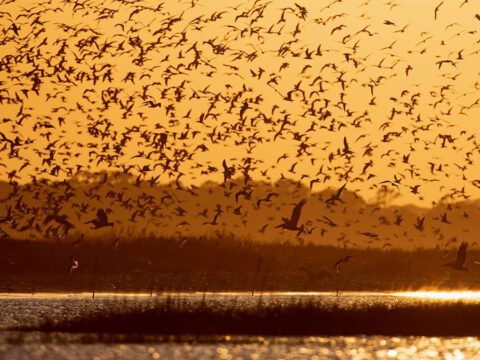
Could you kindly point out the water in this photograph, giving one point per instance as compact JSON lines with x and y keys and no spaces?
{"x":33,"y":310}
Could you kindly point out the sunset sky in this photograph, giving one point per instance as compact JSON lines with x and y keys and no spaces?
{"x":114,"y":77}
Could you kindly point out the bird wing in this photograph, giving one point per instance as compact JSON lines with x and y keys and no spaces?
{"x":238,"y":194}
{"x":338,"y":263}
{"x":297,"y":210}
{"x":269,"y":196}
{"x":216,"y":217}
{"x":339,"y":192}
{"x":345,"y":144}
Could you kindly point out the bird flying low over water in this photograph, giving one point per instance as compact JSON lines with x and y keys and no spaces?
{"x":73,"y":265}
{"x":459,"y":263}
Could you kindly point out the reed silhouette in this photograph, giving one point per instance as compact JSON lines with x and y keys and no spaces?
{"x":221,"y":262}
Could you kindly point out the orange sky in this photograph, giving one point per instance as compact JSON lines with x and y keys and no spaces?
{"x":430,"y":101}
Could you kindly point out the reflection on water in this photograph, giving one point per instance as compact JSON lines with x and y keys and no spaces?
{"x":442,"y":295}
{"x":357,"y":348}
{"x":429,"y":294}
{"x":25,"y":309}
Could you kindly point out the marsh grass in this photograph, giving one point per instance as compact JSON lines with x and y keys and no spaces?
{"x":226,"y":263}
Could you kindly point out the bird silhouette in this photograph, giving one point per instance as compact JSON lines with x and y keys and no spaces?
{"x":100,"y":221}
{"x":341,"y":261}
{"x":73,"y":265}
{"x":292,"y":223}
{"x":459,"y":263}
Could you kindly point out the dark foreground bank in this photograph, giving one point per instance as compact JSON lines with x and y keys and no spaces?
{"x":176,"y":317}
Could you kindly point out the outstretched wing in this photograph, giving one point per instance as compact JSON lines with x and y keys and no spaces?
{"x":462,"y":254}
{"x":338,"y":263}
{"x":345,"y":145}
{"x":269,"y":196}
{"x":297,"y":210}
{"x":215,"y":218}
{"x":226,"y":172}
{"x":339,"y":191}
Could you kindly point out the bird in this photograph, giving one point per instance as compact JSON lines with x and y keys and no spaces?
{"x":268,"y":198}
{"x":420,"y":224}
{"x":228,"y":171}
{"x":73,"y":265}
{"x":459,"y":263}
{"x":215,"y":218}
{"x":336,"y":197}
{"x":292,"y":223}
{"x":328,"y":221}
{"x":60,"y":219}
{"x":435,"y":12}
{"x":341,"y":261}
{"x":100,"y":221}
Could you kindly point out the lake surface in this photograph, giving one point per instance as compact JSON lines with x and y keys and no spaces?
{"x":21,"y":310}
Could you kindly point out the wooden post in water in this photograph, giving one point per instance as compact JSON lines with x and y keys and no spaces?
{"x":152,"y":283}
{"x":95,"y":265}
{"x":153,"y":275}
{"x":338,"y":282}
{"x":257,"y":270}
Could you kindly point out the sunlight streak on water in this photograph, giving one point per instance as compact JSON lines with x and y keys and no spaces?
{"x":59,"y":295}
{"x":442,"y":295}
{"x":354,"y":348}
{"x":370,"y":297}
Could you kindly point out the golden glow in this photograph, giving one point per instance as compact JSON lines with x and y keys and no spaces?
{"x":436,"y":295}
{"x":445,"y":98}
{"x":442,"y":295}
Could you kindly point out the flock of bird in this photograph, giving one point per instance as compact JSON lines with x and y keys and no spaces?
{"x":326,"y":94}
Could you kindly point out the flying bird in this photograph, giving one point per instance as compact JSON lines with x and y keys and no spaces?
{"x":292,"y":223}
{"x":459,"y":263}
{"x":73,"y":265}
{"x":341,"y":261}
{"x":100,"y":221}
{"x":435,"y":12}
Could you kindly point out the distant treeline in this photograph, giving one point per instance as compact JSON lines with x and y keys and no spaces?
{"x":48,"y":211}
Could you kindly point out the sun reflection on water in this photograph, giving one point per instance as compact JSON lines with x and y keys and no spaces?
{"x":442,"y":295}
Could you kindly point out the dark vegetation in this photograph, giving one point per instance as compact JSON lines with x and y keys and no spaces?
{"x":225,"y":263}
{"x":177,"y":317}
